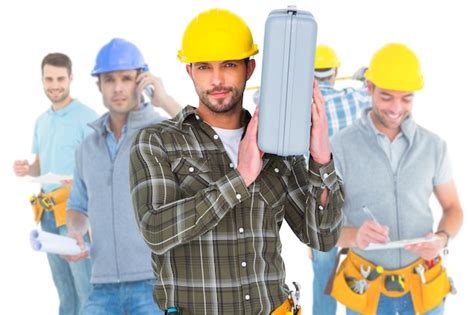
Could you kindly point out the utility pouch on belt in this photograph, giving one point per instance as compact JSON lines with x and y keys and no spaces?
{"x":358,"y":284}
{"x":291,"y":306}
{"x":55,"y":201}
{"x":286,"y":308}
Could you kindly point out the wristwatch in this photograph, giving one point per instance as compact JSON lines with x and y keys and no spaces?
{"x":448,"y":237}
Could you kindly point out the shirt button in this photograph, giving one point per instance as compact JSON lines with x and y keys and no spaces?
{"x":191,"y":169}
{"x":244,"y":264}
{"x":325,"y":175}
{"x":277,"y":170}
{"x":231,"y":165}
{"x":247,"y":297}
{"x":238,"y":196}
{"x":241,"y":230}
{"x":216,"y":137}
{"x":321,"y":208}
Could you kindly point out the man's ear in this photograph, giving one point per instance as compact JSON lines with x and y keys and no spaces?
{"x":189,"y":70}
{"x":250,"y":68}
{"x":370,"y":87}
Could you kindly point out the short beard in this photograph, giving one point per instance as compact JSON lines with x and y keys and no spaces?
{"x":221,"y":107}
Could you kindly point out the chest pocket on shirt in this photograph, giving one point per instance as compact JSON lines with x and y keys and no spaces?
{"x":272,"y":180}
{"x":193,"y":174}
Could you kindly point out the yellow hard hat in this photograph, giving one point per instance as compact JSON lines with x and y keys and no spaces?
{"x":395,"y":67}
{"x":216,"y":35}
{"x":325,"y":58}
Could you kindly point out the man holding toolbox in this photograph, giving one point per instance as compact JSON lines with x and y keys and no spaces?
{"x":210,"y":203}
{"x":390,"y":167}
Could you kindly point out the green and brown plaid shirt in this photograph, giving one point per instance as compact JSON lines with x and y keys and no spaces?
{"x":215,"y":242}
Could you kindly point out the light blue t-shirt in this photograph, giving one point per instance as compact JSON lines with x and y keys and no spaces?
{"x":56,"y":136}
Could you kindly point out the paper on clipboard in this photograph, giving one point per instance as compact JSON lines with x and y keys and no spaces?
{"x":50,"y":178}
{"x":401,"y":243}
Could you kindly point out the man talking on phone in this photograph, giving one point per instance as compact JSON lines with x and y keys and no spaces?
{"x":100,"y":199}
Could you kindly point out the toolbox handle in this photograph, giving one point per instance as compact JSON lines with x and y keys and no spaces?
{"x":291,"y":9}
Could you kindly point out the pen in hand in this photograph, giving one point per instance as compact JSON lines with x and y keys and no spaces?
{"x":371,"y":215}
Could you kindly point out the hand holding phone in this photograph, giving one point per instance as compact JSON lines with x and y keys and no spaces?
{"x":149,"y":91}
{"x":152,"y":86}
{"x":145,"y":83}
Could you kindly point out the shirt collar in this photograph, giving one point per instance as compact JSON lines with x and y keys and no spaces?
{"x":325,"y":85}
{"x":65,"y":110}
{"x":143,"y":107}
{"x":407,"y":128}
{"x":108,"y":130}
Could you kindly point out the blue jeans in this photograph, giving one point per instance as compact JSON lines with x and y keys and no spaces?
{"x":72,"y":279}
{"x":131,"y":298}
{"x":402,"y":306}
{"x":323,"y":263}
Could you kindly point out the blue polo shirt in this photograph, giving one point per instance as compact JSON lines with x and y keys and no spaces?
{"x":56,"y":136}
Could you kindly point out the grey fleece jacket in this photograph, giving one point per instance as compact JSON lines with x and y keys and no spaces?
{"x":118,"y":253}
{"x":399,"y":200}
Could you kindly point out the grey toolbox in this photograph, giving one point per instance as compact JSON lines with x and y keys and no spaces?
{"x":287,"y":82}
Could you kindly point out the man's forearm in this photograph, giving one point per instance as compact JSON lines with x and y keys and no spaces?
{"x":34,"y":169}
{"x":451,"y":221}
{"x":77,"y":222}
{"x":169,"y":105}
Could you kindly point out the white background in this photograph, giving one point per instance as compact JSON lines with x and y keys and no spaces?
{"x":440,"y":32}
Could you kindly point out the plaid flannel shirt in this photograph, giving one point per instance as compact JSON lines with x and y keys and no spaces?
{"x":345,"y":106}
{"x":215,"y":242}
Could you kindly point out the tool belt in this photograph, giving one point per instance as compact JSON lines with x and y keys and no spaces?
{"x":55,"y":201}
{"x":286,"y":308}
{"x":427,"y":288}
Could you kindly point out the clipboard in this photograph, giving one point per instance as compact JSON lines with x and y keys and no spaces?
{"x":401,"y":243}
{"x":50,"y":178}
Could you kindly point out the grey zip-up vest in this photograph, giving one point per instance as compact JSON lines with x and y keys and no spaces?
{"x":399,"y":200}
{"x":118,"y":253}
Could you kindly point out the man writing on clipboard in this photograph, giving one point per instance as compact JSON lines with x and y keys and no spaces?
{"x":391,"y":165}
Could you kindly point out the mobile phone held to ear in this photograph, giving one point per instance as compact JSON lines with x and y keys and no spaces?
{"x":149,"y":91}
{"x":287,"y":82}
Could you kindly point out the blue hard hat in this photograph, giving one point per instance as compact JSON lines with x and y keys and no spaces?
{"x":118,"y":55}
